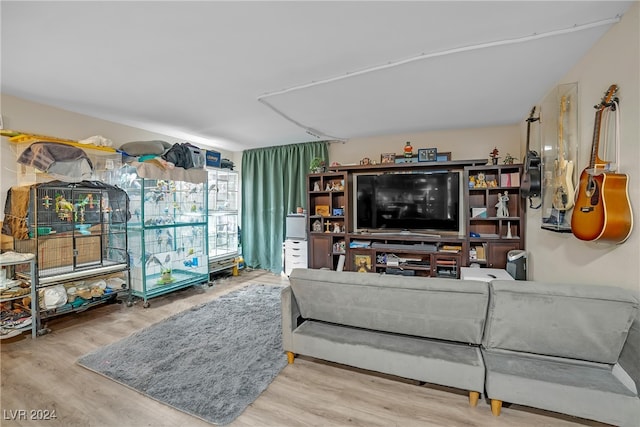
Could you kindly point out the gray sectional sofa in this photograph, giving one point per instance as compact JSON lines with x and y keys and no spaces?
{"x":565,"y":348}
{"x":425,"y":330}
{"x":557,"y":347}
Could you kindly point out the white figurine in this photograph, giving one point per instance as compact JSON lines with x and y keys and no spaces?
{"x":336,"y":228}
{"x":316,"y":186}
{"x":502,"y":207}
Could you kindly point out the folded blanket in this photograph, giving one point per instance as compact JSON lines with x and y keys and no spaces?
{"x":66,"y":162}
{"x":151,"y":170}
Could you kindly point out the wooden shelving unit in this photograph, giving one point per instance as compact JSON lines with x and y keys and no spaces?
{"x":408,"y":255}
{"x":328,"y":207}
{"x":492,"y":235}
{"x":486,"y":239}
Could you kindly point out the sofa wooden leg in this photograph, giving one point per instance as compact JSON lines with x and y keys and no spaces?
{"x":496,"y":405}
{"x":473,"y":398}
{"x":290,"y":357}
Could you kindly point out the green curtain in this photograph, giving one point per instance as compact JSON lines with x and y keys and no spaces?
{"x":273,"y":185}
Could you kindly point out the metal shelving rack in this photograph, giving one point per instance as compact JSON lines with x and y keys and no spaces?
{"x":14,"y":271}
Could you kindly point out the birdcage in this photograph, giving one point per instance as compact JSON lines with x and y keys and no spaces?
{"x":167,"y":234}
{"x":73,"y":228}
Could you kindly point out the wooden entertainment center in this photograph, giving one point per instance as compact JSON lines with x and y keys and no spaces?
{"x":485,"y":238}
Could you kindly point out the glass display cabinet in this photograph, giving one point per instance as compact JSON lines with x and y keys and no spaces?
{"x":222,"y":218}
{"x":559,"y":134}
{"x":167,"y":234}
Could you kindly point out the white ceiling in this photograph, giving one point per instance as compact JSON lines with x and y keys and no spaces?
{"x":239,"y":75}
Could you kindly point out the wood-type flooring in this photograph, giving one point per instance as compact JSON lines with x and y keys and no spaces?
{"x":41,"y":376}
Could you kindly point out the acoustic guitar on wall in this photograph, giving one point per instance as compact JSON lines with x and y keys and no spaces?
{"x":602,"y":208}
{"x":564,"y":191}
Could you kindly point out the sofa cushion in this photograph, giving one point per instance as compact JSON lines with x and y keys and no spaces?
{"x":453,"y":310}
{"x":576,"y":321}
{"x":433,"y":361}
{"x":630,"y":354}
{"x":583,"y":389}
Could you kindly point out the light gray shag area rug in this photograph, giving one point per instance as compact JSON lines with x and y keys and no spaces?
{"x":211,"y":361}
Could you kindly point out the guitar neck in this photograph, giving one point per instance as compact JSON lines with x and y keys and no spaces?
{"x":605,"y":103}
{"x":561,"y":130}
{"x":529,"y":120}
{"x":596,"y":139}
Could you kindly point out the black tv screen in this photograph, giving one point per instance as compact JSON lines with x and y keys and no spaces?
{"x":415,"y":201}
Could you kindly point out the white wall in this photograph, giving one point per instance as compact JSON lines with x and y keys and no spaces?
{"x":25,"y":116}
{"x":553,"y":256}
{"x":462,"y":143}
{"x":562,"y":257}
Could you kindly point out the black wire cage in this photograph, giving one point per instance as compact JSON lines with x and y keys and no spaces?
{"x":76,"y":227}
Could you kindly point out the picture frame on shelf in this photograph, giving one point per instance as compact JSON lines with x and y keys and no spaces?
{"x":412,"y":159}
{"x":427,"y":154}
{"x":443,"y":157}
{"x":362,"y":263}
{"x":387,"y":158}
{"x":322,"y":210}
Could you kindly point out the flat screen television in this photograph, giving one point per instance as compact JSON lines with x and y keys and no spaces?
{"x":408,"y":201}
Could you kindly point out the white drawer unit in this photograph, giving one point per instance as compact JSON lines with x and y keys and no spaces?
{"x":295,"y":255}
